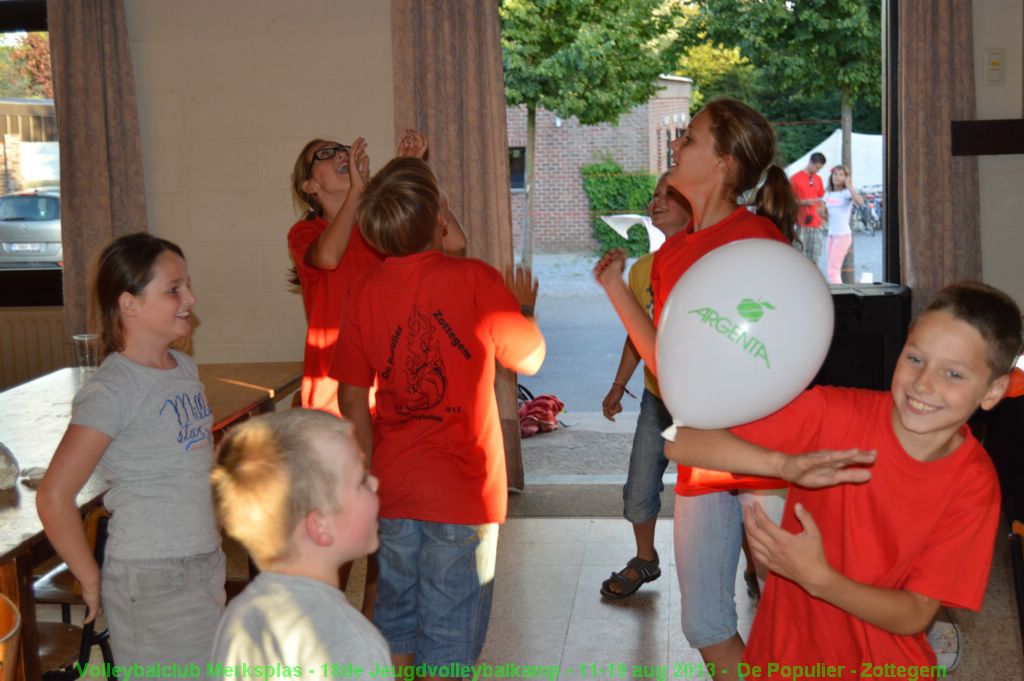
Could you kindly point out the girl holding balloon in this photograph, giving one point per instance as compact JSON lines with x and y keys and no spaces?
{"x":722,"y":161}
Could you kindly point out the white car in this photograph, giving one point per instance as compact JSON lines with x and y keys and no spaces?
{"x":30,"y":230}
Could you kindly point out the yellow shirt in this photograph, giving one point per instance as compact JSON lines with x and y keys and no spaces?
{"x":640,"y":285}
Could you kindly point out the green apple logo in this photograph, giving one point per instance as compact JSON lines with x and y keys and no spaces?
{"x":752,"y":310}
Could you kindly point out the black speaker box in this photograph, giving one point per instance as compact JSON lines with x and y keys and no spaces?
{"x":870,"y":328}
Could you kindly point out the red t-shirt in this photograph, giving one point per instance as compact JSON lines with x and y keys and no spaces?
{"x":429,"y":328}
{"x":671,"y":261}
{"x":323,"y":294}
{"x":807,"y":186}
{"x":927,"y":527}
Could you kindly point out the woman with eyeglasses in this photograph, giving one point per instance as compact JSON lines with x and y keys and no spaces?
{"x":328,"y":250}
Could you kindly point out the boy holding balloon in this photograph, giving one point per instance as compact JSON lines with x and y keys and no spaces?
{"x":859,"y":570}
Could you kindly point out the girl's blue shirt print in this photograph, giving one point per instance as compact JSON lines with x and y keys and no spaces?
{"x":193,"y":414}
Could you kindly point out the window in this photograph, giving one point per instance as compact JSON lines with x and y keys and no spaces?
{"x":31,"y":254}
{"x":517,"y":167}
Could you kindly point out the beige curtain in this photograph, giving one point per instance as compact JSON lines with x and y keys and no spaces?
{"x":102,"y":194}
{"x":449,"y":83}
{"x":940,"y":233}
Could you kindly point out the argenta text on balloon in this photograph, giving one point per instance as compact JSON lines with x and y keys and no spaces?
{"x":736,"y":333}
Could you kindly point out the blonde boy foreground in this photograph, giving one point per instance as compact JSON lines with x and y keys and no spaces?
{"x":292,"y":488}
{"x":859,"y":570}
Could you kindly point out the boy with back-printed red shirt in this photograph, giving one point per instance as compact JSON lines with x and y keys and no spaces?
{"x":429,"y":328}
{"x":859,"y":570}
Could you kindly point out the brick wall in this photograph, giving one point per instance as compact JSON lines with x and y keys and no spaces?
{"x":561,"y":218}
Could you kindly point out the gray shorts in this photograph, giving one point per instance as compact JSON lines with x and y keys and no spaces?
{"x":164,"y":612}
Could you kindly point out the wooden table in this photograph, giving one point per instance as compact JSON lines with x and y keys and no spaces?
{"x":33,"y":418}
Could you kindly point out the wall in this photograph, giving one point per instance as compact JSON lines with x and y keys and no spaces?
{"x":228,"y":92}
{"x":1000,"y":24}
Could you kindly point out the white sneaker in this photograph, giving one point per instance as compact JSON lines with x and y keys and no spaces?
{"x":947,"y":640}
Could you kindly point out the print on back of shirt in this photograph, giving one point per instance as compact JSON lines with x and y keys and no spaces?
{"x":426,"y":379}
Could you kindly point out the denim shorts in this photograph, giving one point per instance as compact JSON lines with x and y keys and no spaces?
{"x":164,"y":610}
{"x":708,"y":535}
{"x":641,"y":495}
{"x":435,"y":588}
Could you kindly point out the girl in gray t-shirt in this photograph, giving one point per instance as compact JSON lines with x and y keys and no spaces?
{"x":143,"y":421}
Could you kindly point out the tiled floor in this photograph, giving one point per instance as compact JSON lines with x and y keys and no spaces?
{"x":548,"y":609}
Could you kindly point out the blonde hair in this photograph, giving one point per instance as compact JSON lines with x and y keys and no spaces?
{"x":744,"y":134}
{"x":270,"y":474}
{"x":399,"y":209}
{"x":307,"y":203}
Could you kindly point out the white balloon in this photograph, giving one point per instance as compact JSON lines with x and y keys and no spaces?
{"x":742,"y":333}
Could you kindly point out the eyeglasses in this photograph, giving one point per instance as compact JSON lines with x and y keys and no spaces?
{"x":326,"y":154}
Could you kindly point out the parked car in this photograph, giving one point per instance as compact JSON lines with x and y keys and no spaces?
{"x":30,"y":229}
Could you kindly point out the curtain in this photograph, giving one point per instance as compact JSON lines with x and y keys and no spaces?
{"x":102,"y":193}
{"x":449,"y":83}
{"x":939,"y":212}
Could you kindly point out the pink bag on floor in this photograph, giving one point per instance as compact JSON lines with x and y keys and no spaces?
{"x":538,"y":414}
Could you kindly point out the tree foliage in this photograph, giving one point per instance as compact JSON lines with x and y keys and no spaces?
{"x":25,"y":68}
{"x":717,"y":69}
{"x":793,"y":61}
{"x":819,"y":46}
{"x":593,"y":59}
{"x":610,"y":190}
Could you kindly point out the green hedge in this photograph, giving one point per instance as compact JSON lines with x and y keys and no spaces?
{"x":611,"y":191}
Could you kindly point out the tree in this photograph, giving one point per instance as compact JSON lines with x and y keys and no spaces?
{"x":592,"y":59}
{"x":716,"y":69}
{"x":812,"y":47}
{"x":26,"y":69}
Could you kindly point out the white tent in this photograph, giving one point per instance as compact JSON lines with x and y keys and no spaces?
{"x":866,"y":156}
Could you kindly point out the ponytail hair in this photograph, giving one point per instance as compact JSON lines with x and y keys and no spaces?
{"x":775,"y":201}
{"x":745,"y":135}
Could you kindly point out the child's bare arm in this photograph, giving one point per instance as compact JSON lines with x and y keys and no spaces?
{"x":326,"y":253}
{"x":415,"y":144}
{"x":628,"y":363}
{"x":720,"y":450}
{"x":77,"y":456}
{"x":454,"y":240}
{"x":523,"y":286}
{"x":354,"y":403}
{"x":639,"y":326}
{"x":801,"y":558}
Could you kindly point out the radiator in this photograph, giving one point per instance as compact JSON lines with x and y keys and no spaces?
{"x":32,"y":343}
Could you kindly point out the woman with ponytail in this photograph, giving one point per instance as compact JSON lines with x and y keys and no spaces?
{"x":723,"y":160}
